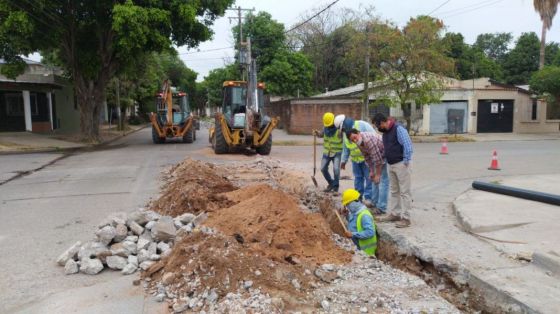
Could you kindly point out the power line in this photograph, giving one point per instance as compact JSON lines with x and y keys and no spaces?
{"x":473,"y":9}
{"x":465,"y":8}
{"x":314,"y":16}
{"x":441,"y":5}
{"x":208,"y":50}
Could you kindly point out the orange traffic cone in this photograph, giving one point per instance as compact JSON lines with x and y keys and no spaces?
{"x":494,"y":163}
{"x":443,"y":150}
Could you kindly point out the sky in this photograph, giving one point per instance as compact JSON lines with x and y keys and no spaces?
{"x":468,"y":17}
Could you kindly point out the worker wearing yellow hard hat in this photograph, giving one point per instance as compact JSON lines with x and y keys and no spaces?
{"x":361,"y":225}
{"x":332,"y":152}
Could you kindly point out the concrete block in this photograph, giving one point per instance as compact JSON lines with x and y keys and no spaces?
{"x":116,"y":262}
{"x":164,"y":229}
{"x":91,"y":266}
{"x":70,"y":253}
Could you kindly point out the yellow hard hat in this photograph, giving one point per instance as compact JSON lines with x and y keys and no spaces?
{"x":349,"y":196}
{"x":328,"y":119}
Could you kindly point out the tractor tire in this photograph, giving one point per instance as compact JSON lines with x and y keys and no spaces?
{"x":218,"y":141}
{"x":265,"y":148}
{"x":189,"y":136}
{"x":155,"y":137}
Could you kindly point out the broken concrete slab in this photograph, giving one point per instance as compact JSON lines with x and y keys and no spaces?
{"x":91,"y":266}
{"x":70,"y":253}
{"x":116,"y":262}
{"x":164,"y":229}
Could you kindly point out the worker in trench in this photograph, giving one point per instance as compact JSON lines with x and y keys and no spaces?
{"x":332,"y":152}
{"x":361,"y":225}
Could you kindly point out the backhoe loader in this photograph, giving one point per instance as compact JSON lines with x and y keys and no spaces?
{"x":173,"y":118}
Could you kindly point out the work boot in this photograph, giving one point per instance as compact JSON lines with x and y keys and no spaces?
{"x":369,"y":204}
{"x":403,"y":223}
{"x":377,"y":212}
{"x":328,"y":189}
{"x":389,"y":218}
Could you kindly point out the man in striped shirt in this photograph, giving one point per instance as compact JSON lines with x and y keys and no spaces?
{"x":371,"y":147}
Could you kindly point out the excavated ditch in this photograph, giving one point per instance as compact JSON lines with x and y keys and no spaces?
{"x":264,"y":185}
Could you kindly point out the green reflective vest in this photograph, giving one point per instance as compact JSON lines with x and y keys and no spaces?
{"x":332,"y":144}
{"x":355,"y":153}
{"x":369,"y":246}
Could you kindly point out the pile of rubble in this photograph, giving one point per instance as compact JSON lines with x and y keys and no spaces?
{"x":127,"y":242}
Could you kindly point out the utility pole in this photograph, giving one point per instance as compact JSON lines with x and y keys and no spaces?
{"x":240,"y":18}
{"x":365,"y":107}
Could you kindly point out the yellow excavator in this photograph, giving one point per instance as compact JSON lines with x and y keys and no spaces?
{"x":240,"y":127}
{"x":242,"y":122}
{"x":173,"y":118}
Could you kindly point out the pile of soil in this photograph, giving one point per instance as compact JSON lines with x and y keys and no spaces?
{"x":192,"y":187}
{"x":270,"y":222}
{"x":212,"y":261}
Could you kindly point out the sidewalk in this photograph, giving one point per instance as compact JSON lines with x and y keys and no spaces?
{"x":27,"y":142}
{"x":281,"y":138}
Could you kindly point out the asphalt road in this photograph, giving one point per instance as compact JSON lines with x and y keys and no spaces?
{"x":45,"y":212}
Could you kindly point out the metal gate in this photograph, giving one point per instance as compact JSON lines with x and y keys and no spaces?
{"x":495,"y":116}
{"x":448,"y":117}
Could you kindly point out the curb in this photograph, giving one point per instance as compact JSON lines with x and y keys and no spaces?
{"x":491,"y":297}
{"x":67,"y":150}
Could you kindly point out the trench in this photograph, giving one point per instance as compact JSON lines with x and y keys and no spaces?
{"x":444,"y":279}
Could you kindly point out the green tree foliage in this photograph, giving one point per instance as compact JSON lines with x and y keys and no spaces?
{"x":408,"y":62}
{"x":494,"y":46}
{"x":546,"y":82}
{"x":470,"y":61}
{"x":214,"y":81}
{"x":522,"y":60}
{"x":94,"y":39}
{"x":289,"y":74}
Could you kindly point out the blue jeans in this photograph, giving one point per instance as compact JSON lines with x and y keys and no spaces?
{"x":381,"y":190}
{"x":333,"y":183}
{"x":362,"y":182}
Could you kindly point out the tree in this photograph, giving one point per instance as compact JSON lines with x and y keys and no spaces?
{"x":470,"y":61}
{"x":409,"y":62}
{"x":547,"y":10}
{"x":94,"y":39}
{"x":522,"y":60}
{"x":494,"y":46}
{"x":214,"y":81}
{"x":546,"y":82}
{"x":289,"y":74}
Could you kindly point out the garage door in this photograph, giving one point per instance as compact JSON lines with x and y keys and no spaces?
{"x":495,"y":116}
{"x":448,"y":117}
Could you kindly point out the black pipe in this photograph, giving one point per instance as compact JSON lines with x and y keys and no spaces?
{"x":515,"y":192}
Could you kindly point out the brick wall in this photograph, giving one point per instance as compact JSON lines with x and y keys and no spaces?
{"x":307,"y":114}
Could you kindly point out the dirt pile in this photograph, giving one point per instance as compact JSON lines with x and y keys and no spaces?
{"x":271,"y":222}
{"x":191,"y":187}
{"x":206,"y":267}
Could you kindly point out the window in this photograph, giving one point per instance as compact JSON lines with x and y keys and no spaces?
{"x":14,"y":104}
{"x":534,"y":110}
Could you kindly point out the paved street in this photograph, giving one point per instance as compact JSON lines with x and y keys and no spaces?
{"x":45,"y":212}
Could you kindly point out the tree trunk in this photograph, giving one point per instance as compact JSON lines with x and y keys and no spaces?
{"x":543,"y":46}
{"x":90,"y":97}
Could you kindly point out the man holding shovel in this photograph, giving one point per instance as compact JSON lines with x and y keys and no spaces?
{"x":361,"y":226}
{"x":332,"y":151}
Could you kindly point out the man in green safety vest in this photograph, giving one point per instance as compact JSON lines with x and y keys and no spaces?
{"x":332,"y":151}
{"x":361,"y":226}
{"x":360,"y":170}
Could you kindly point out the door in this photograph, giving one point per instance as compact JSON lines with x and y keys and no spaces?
{"x":495,"y":116}
{"x":448,"y":117}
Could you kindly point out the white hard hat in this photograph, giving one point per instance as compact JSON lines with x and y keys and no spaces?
{"x":338,"y":120}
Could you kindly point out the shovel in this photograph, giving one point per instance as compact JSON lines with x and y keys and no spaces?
{"x":340,"y":220}
{"x":314,"y":160}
